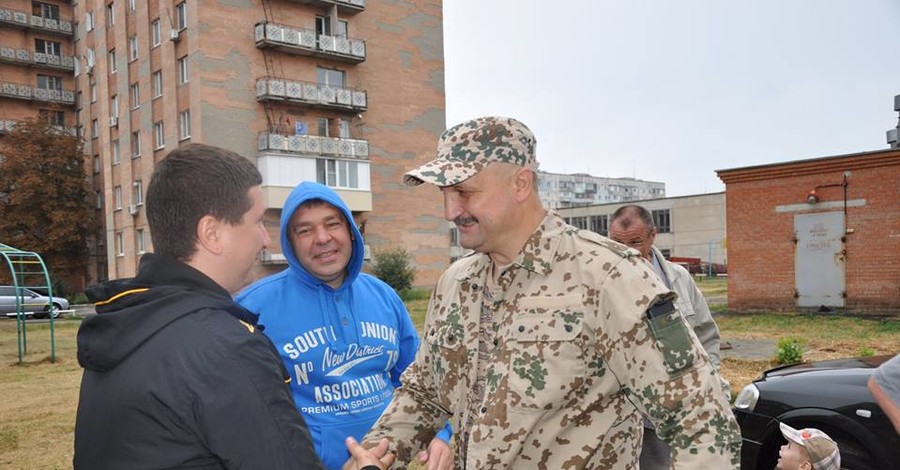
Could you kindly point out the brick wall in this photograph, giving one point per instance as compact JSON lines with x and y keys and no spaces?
{"x":761,"y":244}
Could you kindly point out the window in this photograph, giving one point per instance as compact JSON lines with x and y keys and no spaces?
{"x":132,"y":48}
{"x":113,"y":68}
{"x":135,"y":144}
{"x":139,"y":241}
{"x":344,"y":128}
{"x":114,"y":106}
{"x":137,"y":194}
{"x":45,"y":10}
{"x":98,"y":199}
{"x":182,"y":70}
{"x":662,"y":221}
{"x":579,"y":222}
{"x":96,"y":164}
{"x":54,"y":118}
{"x":94,"y":130}
{"x":135,"y":95}
{"x":454,"y":236}
{"x":666,"y":252}
{"x":323,"y":26}
{"x":49,"y":82}
{"x":600,"y":224}
{"x":117,"y":198}
{"x":47,"y":47}
{"x":132,"y":5}
{"x":330,"y":77}
{"x":157,"y":84}
{"x":90,"y":59}
{"x":337,"y":173}
{"x":154,"y":33}
{"x":324,"y":127}
{"x":181,"y":15}
{"x":184,"y":124}
{"x":110,"y":15}
{"x":93,"y":92}
{"x":158,"y":135}
{"x":116,"y":158}
{"x":120,"y":242}
{"x":89,"y":21}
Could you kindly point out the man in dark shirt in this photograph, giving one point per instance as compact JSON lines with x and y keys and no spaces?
{"x":176,"y":374}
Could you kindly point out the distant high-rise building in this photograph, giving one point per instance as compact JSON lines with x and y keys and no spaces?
{"x":344,"y":92}
{"x":580,"y":189}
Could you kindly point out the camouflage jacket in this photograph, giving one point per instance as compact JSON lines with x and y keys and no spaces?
{"x":576,"y":362}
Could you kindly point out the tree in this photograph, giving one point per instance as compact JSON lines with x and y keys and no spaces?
{"x":394,"y":267}
{"x":44,"y":205}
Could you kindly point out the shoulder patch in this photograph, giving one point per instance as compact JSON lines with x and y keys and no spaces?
{"x":615,"y":247}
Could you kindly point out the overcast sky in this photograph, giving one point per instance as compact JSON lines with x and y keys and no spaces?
{"x":673,"y":90}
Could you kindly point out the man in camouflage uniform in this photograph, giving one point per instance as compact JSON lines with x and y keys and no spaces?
{"x":547,"y":345}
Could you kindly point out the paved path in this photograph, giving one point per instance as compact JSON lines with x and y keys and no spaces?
{"x":750,"y":349}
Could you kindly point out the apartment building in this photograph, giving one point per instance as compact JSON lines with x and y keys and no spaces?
{"x":559,"y":190}
{"x":687,"y":226}
{"x":344,"y":92}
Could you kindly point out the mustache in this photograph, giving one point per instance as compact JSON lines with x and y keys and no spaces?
{"x":464,"y":220}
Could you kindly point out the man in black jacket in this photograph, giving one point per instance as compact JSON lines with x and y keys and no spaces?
{"x":176,"y":374}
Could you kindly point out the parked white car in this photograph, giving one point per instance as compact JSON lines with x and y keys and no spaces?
{"x":34,"y":304}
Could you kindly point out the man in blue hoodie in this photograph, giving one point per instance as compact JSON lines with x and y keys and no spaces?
{"x":344,"y":336}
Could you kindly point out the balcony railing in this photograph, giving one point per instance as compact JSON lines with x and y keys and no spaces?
{"x":308,"y":42}
{"x":24,"y":56}
{"x":314,"y":145}
{"x":7,"y":125}
{"x":350,"y":7}
{"x":26,"y":92}
{"x":22,"y":19}
{"x":313,"y":94}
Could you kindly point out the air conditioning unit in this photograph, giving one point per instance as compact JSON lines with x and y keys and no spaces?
{"x":113,"y":121}
{"x":174,"y":35}
{"x":133,"y":209}
{"x":90,"y":69}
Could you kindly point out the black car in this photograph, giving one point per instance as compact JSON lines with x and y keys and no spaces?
{"x":830,"y":395}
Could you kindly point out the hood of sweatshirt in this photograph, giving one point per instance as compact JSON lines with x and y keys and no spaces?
{"x":307,"y":191}
{"x":130,"y":311}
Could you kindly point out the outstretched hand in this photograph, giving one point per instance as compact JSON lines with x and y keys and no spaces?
{"x":360,"y":457}
{"x":438,"y":456}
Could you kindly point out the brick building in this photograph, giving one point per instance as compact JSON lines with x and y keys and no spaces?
{"x":815,"y":233}
{"x":344,"y":92}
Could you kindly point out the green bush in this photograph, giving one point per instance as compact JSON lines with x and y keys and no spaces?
{"x":78,"y":299}
{"x":789,"y":351}
{"x":865,"y":351}
{"x":395,"y":268}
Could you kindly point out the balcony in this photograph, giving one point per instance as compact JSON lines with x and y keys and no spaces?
{"x":21,"y":19}
{"x":8,"y":125}
{"x":347,"y":7}
{"x":307,"y":42}
{"x":311,"y":94}
{"x":342,"y":164}
{"x":36,"y":59}
{"x":26,"y":92}
{"x":331,"y":147}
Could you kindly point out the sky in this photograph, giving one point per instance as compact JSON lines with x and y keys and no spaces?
{"x":672,"y":91}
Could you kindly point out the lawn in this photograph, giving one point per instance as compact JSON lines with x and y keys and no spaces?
{"x":40,"y":397}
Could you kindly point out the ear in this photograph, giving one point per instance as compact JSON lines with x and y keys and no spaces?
{"x":209,"y":235}
{"x":524,"y":183}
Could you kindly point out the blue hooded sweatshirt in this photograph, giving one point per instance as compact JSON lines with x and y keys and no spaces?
{"x":344,"y":348}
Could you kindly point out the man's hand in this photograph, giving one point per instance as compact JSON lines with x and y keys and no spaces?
{"x":438,"y":456}
{"x":377,"y":456}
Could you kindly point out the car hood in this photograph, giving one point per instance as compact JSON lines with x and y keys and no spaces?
{"x":851,"y":365}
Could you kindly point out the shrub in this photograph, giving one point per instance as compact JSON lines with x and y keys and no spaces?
{"x":865,"y":351}
{"x":395,"y":268}
{"x":789,"y":351}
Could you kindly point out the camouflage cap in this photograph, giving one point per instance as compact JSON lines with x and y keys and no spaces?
{"x":467,"y":148}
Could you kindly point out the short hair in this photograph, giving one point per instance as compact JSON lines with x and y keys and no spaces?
{"x":627,"y":214}
{"x":191,"y":182}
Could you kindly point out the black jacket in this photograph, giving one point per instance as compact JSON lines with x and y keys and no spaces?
{"x":178,"y":376}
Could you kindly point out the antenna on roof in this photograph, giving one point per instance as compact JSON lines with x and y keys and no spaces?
{"x":893,"y":135}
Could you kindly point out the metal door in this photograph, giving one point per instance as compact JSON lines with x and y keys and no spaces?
{"x":819,"y":259}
